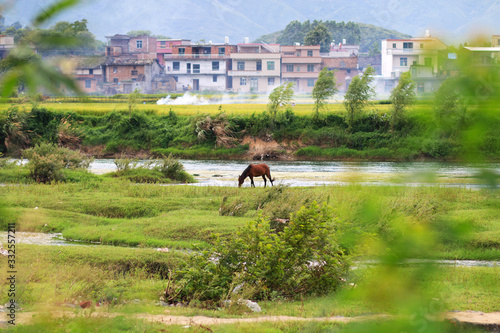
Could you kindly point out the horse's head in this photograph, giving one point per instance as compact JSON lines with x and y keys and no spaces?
{"x":241,"y":179}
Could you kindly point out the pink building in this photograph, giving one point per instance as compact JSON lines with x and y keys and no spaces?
{"x":165,"y":46}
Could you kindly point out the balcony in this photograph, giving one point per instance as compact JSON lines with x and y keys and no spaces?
{"x":300,"y":60}
{"x":255,"y":56}
{"x":195,"y":56}
{"x":300,"y":75}
{"x":251,"y":73}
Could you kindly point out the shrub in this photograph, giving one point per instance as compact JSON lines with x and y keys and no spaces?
{"x":47,"y":161}
{"x":300,"y":260}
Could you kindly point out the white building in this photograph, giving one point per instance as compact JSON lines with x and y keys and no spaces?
{"x":199,"y":66}
{"x":419,"y":54}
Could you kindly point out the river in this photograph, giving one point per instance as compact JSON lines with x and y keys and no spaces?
{"x":317,"y":173}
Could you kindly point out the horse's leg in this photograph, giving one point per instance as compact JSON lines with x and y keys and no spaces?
{"x":251,"y":178}
{"x":269,"y":176}
{"x":264,"y":177}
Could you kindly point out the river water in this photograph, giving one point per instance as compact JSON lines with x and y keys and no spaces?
{"x":308,"y":173}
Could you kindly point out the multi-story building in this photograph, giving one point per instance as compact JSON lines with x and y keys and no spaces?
{"x":138,"y":47}
{"x":301,"y":64}
{"x":131,"y":64}
{"x":200,"y":66}
{"x":255,"y":67}
{"x":420,"y":55}
{"x":345,"y":68}
{"x":165,"y":47}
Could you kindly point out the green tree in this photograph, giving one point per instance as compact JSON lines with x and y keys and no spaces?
{"x":135,"y":33}
{"x":358,"y":94}
{"x":374,"y":49}
{"x":450,"y":108}
{"x":402,"y":96}
{"x":324,"y":88}
{"x":280,"y":97}
{"x":319,"y":36}
{"x":132,"y":100}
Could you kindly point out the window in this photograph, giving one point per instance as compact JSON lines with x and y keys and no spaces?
{"x":134,"y":72}
{"x":196,"y":68}
{"x":139,"y":44}
{"x":91,"y":71}
{"x":240,"y":65}
{"x":348,"y":71}
{"x":407,"y":45}
{"x":182,"y":50}
{"x":215,"y":66}
{"x":115,"y":69}
{"x":188,"y":68}
{"x":115,"y":80}
{"x":421,"y":45}
{"x":289,"y":68}
{"x":176,"y":78}
{"x":298,"y":68}
{"x":222,"y":50}
{"x":309,"y":53}
{"x":403,"y":62}
{"x":214,"y":78}
{"x":176,"y":65}
{"x":310,"y":82}
{"x":163,"y":44}
{"x":88,"y":83}
{"x":270,"y":65}
{"x":243,"y":81}
{"x":270,"y":81}
{"x":310,"y":68}
{"x":258,"y":65}
{"x":289,"y":53}
{"x":393,"y":45}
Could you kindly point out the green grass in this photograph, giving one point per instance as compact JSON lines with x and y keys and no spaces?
{"x":462,"y":223}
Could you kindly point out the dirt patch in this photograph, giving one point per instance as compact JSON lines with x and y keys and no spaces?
{"x":266,"y":149}
{"x":490,"y":321}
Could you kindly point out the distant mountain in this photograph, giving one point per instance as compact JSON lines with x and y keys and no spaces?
{"x":214,"y":19}
{"x":370,"y":34}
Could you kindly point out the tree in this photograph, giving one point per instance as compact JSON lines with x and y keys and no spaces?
{"x":402,"y":96}
{"x":324,"y":88}
{"x":319,"y":36}
{"x":136,"y":33}
{"x":358,"y":94}
{"x":280,"y":97}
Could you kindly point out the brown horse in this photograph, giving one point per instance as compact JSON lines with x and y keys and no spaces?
{"x":256,"y":170}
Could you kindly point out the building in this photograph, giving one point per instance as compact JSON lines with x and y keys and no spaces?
{"x":126,"y":75}
{"x":301,"y":64}
{"x":130,"y":64}
{"x":165,"y":47}
{"x":255,"y":67}
{"x":200,"y":66}
{"x":124,"y":46}
{"x":345,"y":69}
{"x":89,"y":74}
{"x":6,"y":44}
{"x":419,"y":55}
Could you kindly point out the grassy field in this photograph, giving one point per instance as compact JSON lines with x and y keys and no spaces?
{"x":371,"y":222}
{"x":230,"y":109}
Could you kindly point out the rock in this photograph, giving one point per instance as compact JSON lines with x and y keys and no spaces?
{"x":68,"y":305}
{"x":251,"y":305}
{"x":164,"y":249}
{"x":164,"y":303}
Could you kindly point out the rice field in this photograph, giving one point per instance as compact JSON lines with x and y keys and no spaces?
{"x":231,"y":109}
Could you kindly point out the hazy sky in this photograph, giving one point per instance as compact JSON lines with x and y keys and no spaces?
{"x":214,"y":19}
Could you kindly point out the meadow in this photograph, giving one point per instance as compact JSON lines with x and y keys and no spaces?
{"x":416,"y":222}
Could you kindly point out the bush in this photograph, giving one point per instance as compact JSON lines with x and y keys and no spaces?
{"x":260,"y":263}
{"x":47,"y":161}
